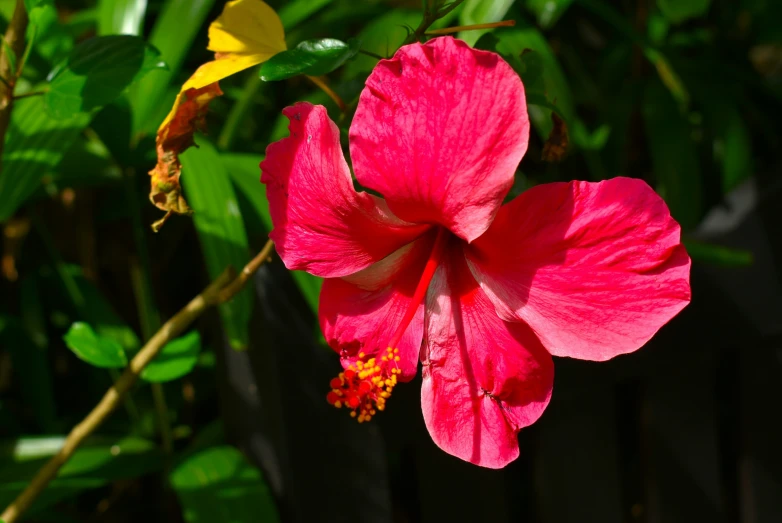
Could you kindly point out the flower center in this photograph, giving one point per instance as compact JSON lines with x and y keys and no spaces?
{"x":366,"y":384}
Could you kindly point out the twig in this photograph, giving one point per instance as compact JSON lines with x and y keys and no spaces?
{"x":373,"y":55}
{"x":326,"y":89}
{"x":28,"y":95}
{"x":14,"y":37}
{"x":222,"y":289}
{"x":430,"y":17}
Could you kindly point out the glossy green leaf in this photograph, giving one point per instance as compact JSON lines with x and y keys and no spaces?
{"x":674,"y":157}
{"x":217,"y":484}
{"x":680,"y":10}
{"x":481,"y":12}
{"x":97,"y":462}
{"x":547,"y":12}
{"x":97,"y":71}
{"x":177,"y":25}
{"x":35,"y":144}
{"x":177,"y":359}
{"x":32,"y":4}
{"x":311,"y":57}
{"x":220,"y":228}
{"x":245,"y":174}
{"x":94,"y":349}
{"x":121,"y":16}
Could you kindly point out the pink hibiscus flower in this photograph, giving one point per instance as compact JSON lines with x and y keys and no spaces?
{"x":440,"y":271}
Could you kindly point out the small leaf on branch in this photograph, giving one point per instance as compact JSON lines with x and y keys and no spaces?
{"x":311,"y":57}
{"x":177,"y":358}
{"x":94,"y":349}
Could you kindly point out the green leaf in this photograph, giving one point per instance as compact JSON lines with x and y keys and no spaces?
{"x":481,"y":12}
{"x":220,"y":228}
{"x":244,"y":172}
{"x":382,"y":36}
{"x":177,"y":25}
{"x":97,"y":71}
{"x":32,"y":4}
{"x":217,"y":484}
{"x":528,"y":51}
{"x":311,"y":57}
{"x":177,"y":359}
{"x":97,"y":462}
{"x":94,"y":349}
{"x":678,"y":11}
{"x":718,"y":254}
{"x":293,"y":13}
{"x":547,"y":12}
{"x":121,"y":16}
{"x":35,"y":145}
{"x":674,"y":157}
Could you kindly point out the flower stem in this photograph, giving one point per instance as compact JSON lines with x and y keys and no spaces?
{"x":450,"y":30}
{"x":223,"y":288}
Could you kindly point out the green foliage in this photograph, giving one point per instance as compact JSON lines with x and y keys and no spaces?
{"x":217,"y":484}
{"x":221,"y":231}
{"x":176,"y":359}
{"x":678,"y":11}
{"x":311,"y":57}
{"x":97,"y":72}
{"x":95,"y":350}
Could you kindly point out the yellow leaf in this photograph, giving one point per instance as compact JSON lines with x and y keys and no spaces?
{"x":247,"y":27}
{"x":247,"y":33}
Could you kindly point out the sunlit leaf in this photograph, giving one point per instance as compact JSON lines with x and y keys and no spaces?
{"x":221,"y":232}
{"x":94,"y":349}
{"x":97,"y":71}
{"x":35,"y":144}
{"x":217,"y":484}
{"x":311,"y":57}
{"x":177,"y":358}
{"x":121,"y":16}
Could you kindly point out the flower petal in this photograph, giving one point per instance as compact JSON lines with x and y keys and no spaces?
{"x":594,"y":268}
{"x":360,"y":313}
{"x":247,"y":27}
{"x":439,"y":131}
{"x":321,"y":224}
{"x":483,"y":379}
{"x":222,"y":67}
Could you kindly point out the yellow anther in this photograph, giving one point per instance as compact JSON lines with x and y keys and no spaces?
{"x":338,"y":404}
{"x":396,"y":351}
{"x":361,"y":354}
{"x":396,"y":358}
{"x":353,"y":414}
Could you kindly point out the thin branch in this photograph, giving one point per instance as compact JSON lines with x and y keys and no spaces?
{"x":430,"y":17}
{"x":28,"y":95}
{"x":223,"y":288}
{"x":373,"y":55}
{"x":230,"y":290}
{"x":14,"y":37}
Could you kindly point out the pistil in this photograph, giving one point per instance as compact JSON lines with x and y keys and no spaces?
{"x":365,"y":385}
